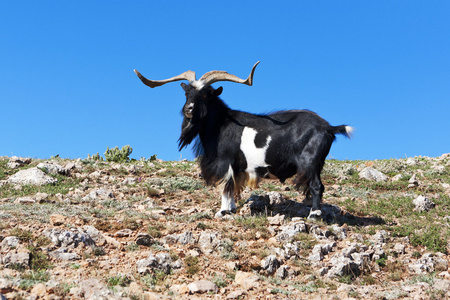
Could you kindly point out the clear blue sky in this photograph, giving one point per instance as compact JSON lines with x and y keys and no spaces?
{"x":67,"y":85}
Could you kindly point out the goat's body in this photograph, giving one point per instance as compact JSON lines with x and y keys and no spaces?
{"x":246,"y":147}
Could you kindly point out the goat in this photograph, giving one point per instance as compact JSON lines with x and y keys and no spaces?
{"x":238,"y":148}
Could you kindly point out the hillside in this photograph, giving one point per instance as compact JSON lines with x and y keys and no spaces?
{"x":75,"y":229}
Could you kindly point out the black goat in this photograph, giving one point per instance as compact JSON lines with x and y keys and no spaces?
{"x":239,"y":148}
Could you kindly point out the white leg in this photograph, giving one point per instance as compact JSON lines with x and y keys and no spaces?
{"x":228,"y":205}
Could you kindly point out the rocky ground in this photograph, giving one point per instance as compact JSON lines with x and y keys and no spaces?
{"x":89,"y":229}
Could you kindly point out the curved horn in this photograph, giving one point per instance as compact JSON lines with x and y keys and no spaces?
{"x":214,"y":76}
{"x":188,"y":75}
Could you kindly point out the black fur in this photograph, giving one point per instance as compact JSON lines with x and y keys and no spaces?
{"x":300,"y":142}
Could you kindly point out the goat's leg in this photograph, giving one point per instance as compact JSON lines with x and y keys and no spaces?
{"x":228,"y":204}
{"x":316,"y":189}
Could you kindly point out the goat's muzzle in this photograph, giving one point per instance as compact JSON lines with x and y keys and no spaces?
{"x":188,"y":110}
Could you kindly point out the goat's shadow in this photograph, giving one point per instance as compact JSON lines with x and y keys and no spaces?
{"x":274,"y":203}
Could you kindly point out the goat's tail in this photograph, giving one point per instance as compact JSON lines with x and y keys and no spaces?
{"x":343,"y":129}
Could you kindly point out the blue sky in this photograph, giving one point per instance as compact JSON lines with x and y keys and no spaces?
{"x":67,"y":85}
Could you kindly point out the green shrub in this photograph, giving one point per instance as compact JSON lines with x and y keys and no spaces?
{"x":118,"y":155}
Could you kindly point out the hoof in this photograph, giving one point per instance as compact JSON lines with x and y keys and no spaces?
{"x":315,"y":215}
{"x":224,"y":213}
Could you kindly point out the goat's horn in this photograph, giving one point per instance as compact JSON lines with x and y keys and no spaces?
{"x":188,"y":75}
{"x":214,"y":76}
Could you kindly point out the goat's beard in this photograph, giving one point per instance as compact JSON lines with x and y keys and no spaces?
{"x":189,"y":131}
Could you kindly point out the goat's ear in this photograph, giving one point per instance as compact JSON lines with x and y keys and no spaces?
{"x":184,"y":86}
{"x":218,"y":91}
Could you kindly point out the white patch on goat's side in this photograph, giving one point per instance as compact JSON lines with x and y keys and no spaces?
{"x":255,"y":157}
{"x":198,"y":84}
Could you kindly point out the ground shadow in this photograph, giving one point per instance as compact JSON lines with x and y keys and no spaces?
{"x":274,"y":203}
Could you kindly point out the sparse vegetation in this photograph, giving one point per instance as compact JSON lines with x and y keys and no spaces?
{"x":170,"y":198}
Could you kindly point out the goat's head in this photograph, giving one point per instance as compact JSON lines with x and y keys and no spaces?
{"x":201,"y":98}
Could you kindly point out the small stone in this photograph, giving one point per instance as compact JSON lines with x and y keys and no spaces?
{"x":144,"y":239}
{"x":370,"y":173}
{"x":270,"y":264}
{"x":442,"y":284}
{"x":40,"y":197}
{"x":93,"y":289}
{"x":24,"y":200}
{"x":423,"y":204}
{"x":6,"y":286}
{"x":57,"y":220}
{"x":399,"y":248}
{"x":10,"y":242}
{"x":276,"y":220}
{"x":123,"y":233}
{"x":237,"y":294}
{"x":413,"y":182}
{"x":202,"y":286}
{"x":397,"y":177}
{"x":53,"y":169}
{"x":282,"y":272}
{"x":246,"y":280}
{"x":16,"y":259}
{"x":38,"y":290}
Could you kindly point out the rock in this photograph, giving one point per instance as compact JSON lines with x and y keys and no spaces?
{"x":10,"y":242}
{"x":397,"y":177}
{"x":53,"y":169}
{"x":144,"y":239}
{"x":21,"y":260}
{"x":135,"y":290}
{"x":371,"y":174}
{"x":442,"y":285}
{"x":161,"y":261}
{"x":399,"y":248}
{"x":40,"y":197}
{"x":94,"y":234}
{"x":24,"y":200}
{"x":38,"y":290}
{"x":6,"y":286}
{"x":270,"y":264}
{"x":316,"y":255}
{"x":380,"y":237}
{"x":202,"y":286}
{"x":63,"y":254}
{"x":32,"y":176}
{"x":282,"y":272}
{"x":98,"y":194}
{"x":69,"y":167}
{"x":288,"y":231}
{"x":57,"y":220}
{"x":423,"y":204}
{"x":429,"y":263}
{"x":237,"y":294}
{"x":339,"y":232}
{"x":67,"y":238}
{"x":208,"y":241}
{"x":246,"y":280}
{"x":16,"y":162}
{"x":276,"y":220}
{"x":123,"y":233}
{"x":93,"y":289}
{"x":129,"y":181}
{"x":343,"y":266}
{"x":413,"y":182}
{"x":255,"y":205}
